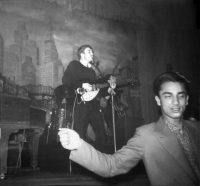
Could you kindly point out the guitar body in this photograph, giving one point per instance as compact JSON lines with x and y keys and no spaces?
{"x":90,"y":95}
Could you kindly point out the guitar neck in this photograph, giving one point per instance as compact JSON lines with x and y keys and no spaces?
{"x":100,"y":86}
{"x":118,"y":83}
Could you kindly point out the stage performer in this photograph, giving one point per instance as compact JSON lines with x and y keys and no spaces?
{"x":79,"y":78}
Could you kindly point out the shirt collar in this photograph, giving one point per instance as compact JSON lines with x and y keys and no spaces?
{"x":174,"y":127}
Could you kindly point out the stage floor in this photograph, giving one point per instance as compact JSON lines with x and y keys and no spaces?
{"x":29,"y":177}
{"x":54,"y":170}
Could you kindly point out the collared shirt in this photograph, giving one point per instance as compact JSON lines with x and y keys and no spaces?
{"x":184,"y":140}
{"x":174,"y":128}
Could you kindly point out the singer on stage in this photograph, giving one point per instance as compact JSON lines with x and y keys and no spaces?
{"x":79,"y":77}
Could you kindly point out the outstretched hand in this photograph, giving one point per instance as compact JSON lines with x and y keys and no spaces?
{"x":69,"y":139}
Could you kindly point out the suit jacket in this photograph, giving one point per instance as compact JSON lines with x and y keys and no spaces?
{"x":156,"y":145}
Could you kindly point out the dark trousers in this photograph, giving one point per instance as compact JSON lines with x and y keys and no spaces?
{"x":90,"y":113}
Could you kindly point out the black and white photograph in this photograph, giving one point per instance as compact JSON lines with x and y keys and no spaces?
{"x":99,"y":92}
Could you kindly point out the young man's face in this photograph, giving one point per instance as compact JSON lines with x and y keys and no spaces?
{"x":88,"y":54}
{"x":172,"y":99}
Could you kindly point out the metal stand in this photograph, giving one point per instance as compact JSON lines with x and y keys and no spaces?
{"x":62,"y":123}
{"x":70,"y":166}
{"x":48,"y":128}
{"x":113,"y":121}
{"x":70,"y":163}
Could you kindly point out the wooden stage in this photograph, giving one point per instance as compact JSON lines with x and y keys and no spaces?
{"x":44,"y":178}
{"x":54,"y":170}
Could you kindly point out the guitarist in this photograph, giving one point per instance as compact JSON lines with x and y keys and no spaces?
{"x":81,"y":75}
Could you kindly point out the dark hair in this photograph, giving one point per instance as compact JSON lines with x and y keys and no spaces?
{"x":170,"y":77}
{"x":81,"y":50}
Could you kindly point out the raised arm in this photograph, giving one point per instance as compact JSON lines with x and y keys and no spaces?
{"x":106,"y":165}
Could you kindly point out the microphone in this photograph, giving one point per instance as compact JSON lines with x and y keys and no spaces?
{"x":95,"y":61}
{"x":94,"y":65}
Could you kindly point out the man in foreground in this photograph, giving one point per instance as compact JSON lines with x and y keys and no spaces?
{"x":169,"y":147}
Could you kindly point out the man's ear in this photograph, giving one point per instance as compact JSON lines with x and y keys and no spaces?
{"x":81,"y":55}
{"x":157,"y":100}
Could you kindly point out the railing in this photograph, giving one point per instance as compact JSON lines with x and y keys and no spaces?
{"x":8,"y":87}
{"x":41,"y":96}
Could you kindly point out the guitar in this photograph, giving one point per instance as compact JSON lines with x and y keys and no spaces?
{"x":90,"y":95}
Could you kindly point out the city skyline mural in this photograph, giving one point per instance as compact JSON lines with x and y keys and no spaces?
{"x":40,"y":38}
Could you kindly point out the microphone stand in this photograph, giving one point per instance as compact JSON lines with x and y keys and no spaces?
{"x":62,"y":123}
{"x":113,"y":118}
{"x":99,"y":75}
{"x":96,"y":69}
